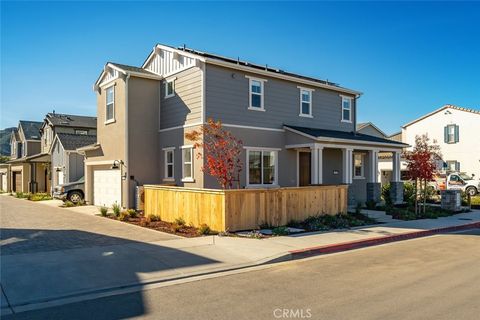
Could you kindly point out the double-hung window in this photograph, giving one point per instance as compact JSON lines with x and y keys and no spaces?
{"x":262,"y":167}
{"x":187,"y":160}
{"x":305,"y":102}
{"x":256,"y":94}
{"x":169,"y":88}
{"x":110,"y":102}
{"x":358,"y":166}
{"x":169,"y":163}
{"x":346,"y":109}
{"x":451,"y":133}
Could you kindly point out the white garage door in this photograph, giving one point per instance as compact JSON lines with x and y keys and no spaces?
{"x":106,"y":187}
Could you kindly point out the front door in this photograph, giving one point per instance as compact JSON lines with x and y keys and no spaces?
{"x":304,"y":167}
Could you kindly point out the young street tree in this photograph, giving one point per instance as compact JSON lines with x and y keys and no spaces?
{"x":221,"y":151}
{"x":422,"y":166}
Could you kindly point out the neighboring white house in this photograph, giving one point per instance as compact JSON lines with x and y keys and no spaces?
{"x":456,"y":130}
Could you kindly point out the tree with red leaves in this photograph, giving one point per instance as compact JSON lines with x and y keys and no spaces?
{"x":221,"y":151}
{"x":422,"y":166}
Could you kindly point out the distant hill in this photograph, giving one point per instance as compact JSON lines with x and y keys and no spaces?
{"x":5,"y":141}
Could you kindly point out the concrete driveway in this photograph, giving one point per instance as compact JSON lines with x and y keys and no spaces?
{"x":49,"y":252}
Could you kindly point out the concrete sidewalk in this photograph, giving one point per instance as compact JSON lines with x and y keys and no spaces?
{"x":34,"y":280}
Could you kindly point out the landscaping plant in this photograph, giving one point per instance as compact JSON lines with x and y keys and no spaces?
{"x":68,"y":204}
{"x":180,"y":221}
{"x":422,"y":167}
{"x":204,"y":229}
{"x":132,"y":213}
{"x":116,"y":209}
{"x":103,"y":211}
{"x":221,"y":150}
{"x":124,"y":216}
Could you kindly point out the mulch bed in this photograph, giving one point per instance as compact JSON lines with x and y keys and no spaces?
{"x":183,"y":231}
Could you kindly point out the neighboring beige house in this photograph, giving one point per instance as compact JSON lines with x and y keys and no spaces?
{"x":296,"y":130}
{"x":28,"y":168}
{"x":370,"y":129}
{"x":455,"y":130}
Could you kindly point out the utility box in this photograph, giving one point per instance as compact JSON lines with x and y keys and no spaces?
{"x":451,"y":200}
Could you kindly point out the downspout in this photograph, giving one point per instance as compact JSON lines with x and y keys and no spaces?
{"x":127,"y":200}
{"x":355,"y":115}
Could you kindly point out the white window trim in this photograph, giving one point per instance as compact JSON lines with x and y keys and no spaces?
{"x":167,"y":81}
{"x":301,"y":114}
{"x":451,"y":134}
{"x":255,"y":185}
{"x":362,"y":175}
{"x":187,"y":179}
{"x":262,"y":95}
{"x":165,"y":152}
{"x":350,"y":99}
{"x":107,"y":121}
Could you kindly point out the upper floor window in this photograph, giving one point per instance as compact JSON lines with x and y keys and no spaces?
{"x":187,"y":159}
{"x":110,"y":104}
{"x":84,"y":132}
{"x":305,"y":102}
{"x":262,"y":167}
{"x":451,"y":134}
{"x":256,"y":96}
{"x":346,"y":109}
{"x":358,"y":166}
{"x":169,"y":88}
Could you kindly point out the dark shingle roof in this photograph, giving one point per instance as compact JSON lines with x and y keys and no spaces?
{"x":323,"y":133}
{"x":31,"y":129}
{"x":71,"y":141}
{"x":132,"y":68}
{"x":69,"y":120}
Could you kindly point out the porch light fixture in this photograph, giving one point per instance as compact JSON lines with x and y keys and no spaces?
{"x":116,"y":164}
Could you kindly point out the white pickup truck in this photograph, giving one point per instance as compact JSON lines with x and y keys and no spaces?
{"x":459,"y":181}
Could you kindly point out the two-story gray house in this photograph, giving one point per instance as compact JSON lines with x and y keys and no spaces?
{"x":62,"y":134}
{"x":296,"y":130}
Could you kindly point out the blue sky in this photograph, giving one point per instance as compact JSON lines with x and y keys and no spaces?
{"x":407,"y":58}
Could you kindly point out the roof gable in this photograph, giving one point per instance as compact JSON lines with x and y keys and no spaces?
{"x":69,"y":120}
{"x":70,"y":142}
{"x":166,"y":60}
{"x":447,"y":106}
{"x":30,"y":130}
{"x":365,"y":125}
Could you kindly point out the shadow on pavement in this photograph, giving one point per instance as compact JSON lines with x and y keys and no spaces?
{"x":43,"y":265}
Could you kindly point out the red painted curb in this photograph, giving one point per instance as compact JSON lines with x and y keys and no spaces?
{"x":345,"y":246}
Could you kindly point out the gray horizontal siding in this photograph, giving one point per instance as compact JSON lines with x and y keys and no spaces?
{"x":227,"y":97}
{"x":186,"y":106}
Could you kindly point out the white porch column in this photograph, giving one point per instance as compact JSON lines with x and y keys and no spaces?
{"x":314,"y":164}
{"x":347,"y":165}
{"x":373,"y":160}
{"x":317,"y":163}
{"x":396,"y":166}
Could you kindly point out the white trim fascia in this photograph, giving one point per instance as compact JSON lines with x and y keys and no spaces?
{"x":108,"y":83}
{"x":261,"y":148}
{"x":186,"y":146}
{"x":256,"y":109}
{"x":255,"y":78}
{"x":281,"y":76}
{"x":181,"y":127}
{"x":98,"y":163}
{"x":203,"y":68}
{"x":168,"y":148}
{"x":165,"y":83}
{"x":252,"y":127}
{"x":322,"y":139}
{"x":127,"y":149}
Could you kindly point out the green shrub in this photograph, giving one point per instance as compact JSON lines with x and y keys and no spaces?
{"x":409,"y":193}
{"x":386,"y":194}
{"x":103,"y":211}
{"x":69,"y":204}
{"x":39,"y":196}
{"x":280,"y":231}
{"x":154,"y":218}
{"x":116,"y":209}
{"x":132,"y":213}
{"x":22,"y":195}
{"x":175,"y":227}
{"x":371,"y":204}
{"x":180,"y":221}
{"x":123,"y":216}
{"x":204,"y":229}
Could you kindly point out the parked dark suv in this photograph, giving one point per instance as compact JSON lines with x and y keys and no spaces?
{"x":72,"y":191}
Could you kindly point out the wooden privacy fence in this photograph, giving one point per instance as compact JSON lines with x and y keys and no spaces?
{"x":243,"y":209}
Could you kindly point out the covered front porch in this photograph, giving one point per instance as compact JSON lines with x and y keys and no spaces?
{"x":331,"y":157}
{"x":31,"y":174}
